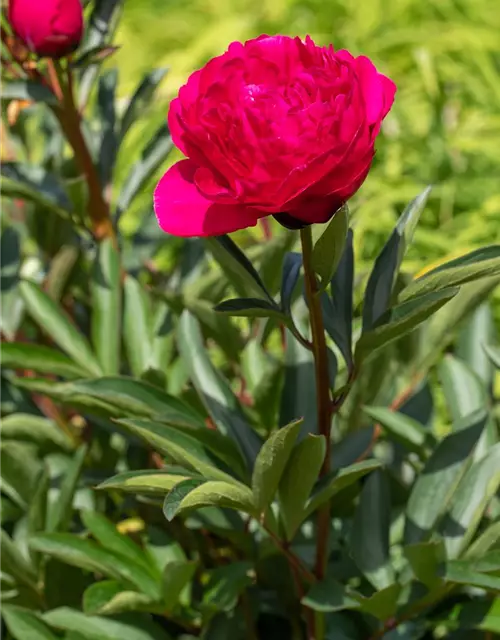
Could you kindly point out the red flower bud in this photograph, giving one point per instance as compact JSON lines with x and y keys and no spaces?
{"x":49,"y":28}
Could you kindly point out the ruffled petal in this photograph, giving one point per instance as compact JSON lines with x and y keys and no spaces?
{"x":183,"y":211}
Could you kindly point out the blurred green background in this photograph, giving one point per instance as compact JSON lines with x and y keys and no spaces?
{"x":444,"y":129}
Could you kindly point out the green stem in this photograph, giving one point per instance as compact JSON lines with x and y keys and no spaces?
{"x":323,"y":398}
{"x":70,"y":120}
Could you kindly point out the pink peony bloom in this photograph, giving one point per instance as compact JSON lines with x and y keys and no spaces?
{"x":275,"y":126}
{"x":49,"y":28}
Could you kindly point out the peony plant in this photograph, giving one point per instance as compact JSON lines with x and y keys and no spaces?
{"x":215,"y":436}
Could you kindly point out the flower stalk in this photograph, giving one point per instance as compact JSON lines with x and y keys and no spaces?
{"x":323,"y":396}
{"x":70,"y":121}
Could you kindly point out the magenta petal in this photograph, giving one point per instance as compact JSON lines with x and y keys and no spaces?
{"x":183,"y":211}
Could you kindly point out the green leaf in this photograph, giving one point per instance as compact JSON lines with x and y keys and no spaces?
{"x":459,"y":572}
{"x":472,"y":496}
{"x":37,"y":512}
{"x":106,"y":533}
{"x":481,"y":614}
{"x":152,"y":157}
{"x":401,"y":320}
{"x":328,"y":248}
{"x":101,"y":25}
{"x":15,"y":564}
{"x":301,"y":472}
{"x":221,"y":446}
{"x":35,"y":184}
{"x":370,"y":531}
{"x":79,"y":552}
{"x":106,"y":307}
{"x":216,"y":494}
{"x":136,"y":329}
{"x":436,"y":485}
{"x":118,"y":396}
{"x":383,"y":604}
{"x":226,"y":584}
{"x":108,"y":597}
{"x":480,"y":263}
{"x":271,"y":462}
{"x":425,"y":559}
{"x":106,"y":98}
{"x":327,"y":596}
{"x":338,"y":480}
{"x":179,"y":445}
{"x":441,"y":329}
{"x":61,"y":511}
{"x":250,"y":308}
{"x":338,"y":308}
{"x":174,"y":498}
{"x":298,"y":397}
{"x":11,"y":303}
{"x":19,"y":472}
{"x":291,"y":271}
{"x":493,"y":354}
{"x":402,"y":428}
{"x":488,"y":538}
{"x":237,"y":268}
{"x":177,"y":575}
{"x":147,"y":481}
{"x":93,"y":56}
{"x":463,"y":389}
{"x":24,"y":624}
{"x":385,"y":270}
{"x":25,"y":355}
{"x":125,"y":627}
{"x":214,"y":390}
{"x":141,"y":100}
{"x":478,"y":331}
{"x":30,"y":90}
{"x":58,"y":326}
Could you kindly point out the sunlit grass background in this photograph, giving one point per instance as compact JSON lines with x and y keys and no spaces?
{"x":444,"y":129}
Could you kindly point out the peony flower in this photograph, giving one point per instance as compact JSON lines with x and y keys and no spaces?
{"x":275,"y":126}
{"x":49,"y":28}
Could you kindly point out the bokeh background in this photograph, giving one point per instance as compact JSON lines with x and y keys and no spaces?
{"x":444,"y":129}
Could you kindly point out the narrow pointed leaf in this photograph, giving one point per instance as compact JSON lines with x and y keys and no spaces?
{"x":23,"y":624}
{"x":152,"y":157}
{"x":301,"y":473}
{"x":26,"y":355}
{"x":179,"y":445}
{"x":338,"y":308}
{"x":214,"y":390}
{"x":329,"y":247}
{"x":385,"y":270}
{"x":436,"y":485}
{"x":291,"y":271}
{"x":137,"y":325}
{"x":250,"y":308}
{"x":401,"y":320}
{"x":337,"y":481}
{"x":147,"y":481}
{"x":141,"y":99}
{"x":217,"y":494}
{"x":402,"y":428}
{"x":88,"y":555}
{"x":327,"y":596}
{"x":370,"y":531}
{"x":473,"y":494}
{"x":270,"y":464}
{"x":482,"y":263}
{"x":61,"y":511}
{"x":237,"y":267}
{"x":106,"y":307}
{"x":58,"y":326}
